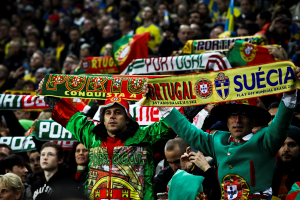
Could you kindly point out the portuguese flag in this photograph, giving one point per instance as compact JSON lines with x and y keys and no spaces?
{"x":128,"y":48}
{"x":244,"y":54}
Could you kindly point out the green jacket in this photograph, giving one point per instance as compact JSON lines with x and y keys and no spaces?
{"x":130,"y":172}
{"x":251,"y":162}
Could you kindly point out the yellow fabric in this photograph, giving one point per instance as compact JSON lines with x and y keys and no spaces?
{"x":6,"y":48}
{"x":155,"y":33}
{"x":236,"y":14}
{"x":58,"y":51}
{"x":221,"y":86}
{"x":30,"y":77}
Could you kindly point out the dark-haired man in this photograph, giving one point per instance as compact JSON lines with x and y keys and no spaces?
{"x":125,"y":25}
{"x":245,"y":160}
{"x":121,"y":152}
{"x":5,"y":151}
{"x":34,"y":163}
{"x":286,"y":171}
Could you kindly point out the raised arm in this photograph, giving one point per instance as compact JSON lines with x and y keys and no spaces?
{"x":276,"y":133}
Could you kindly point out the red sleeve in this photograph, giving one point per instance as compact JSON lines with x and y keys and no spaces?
{"x":62,"y":112}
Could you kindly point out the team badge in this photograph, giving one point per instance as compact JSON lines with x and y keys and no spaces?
{"x":135,"y":85}
{"x":222,"y":85}
{"x":54,"y":81}
{"x":75,"y":83}
{"x":86,"y":64}
{"x":96,"y":84}
{"x":203,"y":88}
{"x":116,"y":85}
{"x":115,"y":99}
{"x":234,"y":187}
{"x":248,"y":51}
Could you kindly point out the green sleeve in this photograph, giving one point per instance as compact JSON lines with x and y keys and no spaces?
{"x":195,"y":137}
{"x":273,"y":137}
{"x":81,"y":128}
{"x":151,"y":134}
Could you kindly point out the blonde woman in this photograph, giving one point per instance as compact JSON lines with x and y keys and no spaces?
{"x":11,"y":187}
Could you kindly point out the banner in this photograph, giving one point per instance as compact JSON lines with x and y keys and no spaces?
{"x":97,"y":65}
{"x":50,"y":130}
{"x":19,"y":144}
{"x":221,"y":86}
{"x":244,"y":54}
{"x":19,"y":92}
{"x":144,"y":116}
{"x":205,"y":61}
{"x":130,"y":47}
{"x":200,"y":46}
{"x":94,"y":87}
{"x":22,"y":102}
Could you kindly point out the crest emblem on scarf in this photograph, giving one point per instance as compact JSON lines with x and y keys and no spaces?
{"x":116,"y":85}
{"x":203,"y":88}
{"x":234,"y":187}
{"x":248,"y":51}
{"x":54,"y":80}
{"x":96,"y":84}
{"x":222,"y":85}
{"x":86,"y":64}
{"x":135,"y":85}
{"x":75,"y":83}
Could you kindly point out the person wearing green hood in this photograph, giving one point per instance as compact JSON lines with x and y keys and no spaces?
{"x":121,"y":152}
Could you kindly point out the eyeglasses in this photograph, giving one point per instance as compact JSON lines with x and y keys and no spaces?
{"x":234,"y":115}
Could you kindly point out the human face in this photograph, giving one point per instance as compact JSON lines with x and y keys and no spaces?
{"x":239,"y":124}
{"x":147,"y":13}
{"x":194,"y":18}
{"x":123,"y":25}
{"x":35,"y":165}
{"x":7,"y":193}
{"x":4,"y":152}
{"x":13,"y":32}
{"x":19,"y":170}
{"x":87,"y":26}
{"x":99,"y":25}
{"x":184,"y":34}
{"x":115,"y":120}
{"x":31,"y":48}
{"x":245,"y":6}
{"x":74,"y":36}
{"x":173,"y":158}
{"x":161,"y":9}
{"x":215,"y":33}
{"x":289,"y":151}
{"x":3,"y":32}
{"x":260,"y":22}
{"x":242,"y":32}
{"x":81,"y":155}
{"x":68,"y":64}
{"x":272,"y":112}
{"x":36,"y":61}
{"x":20,"y":114}
{"x":282,"y":29}
{"x":107,"y":50}
{"x":202,"y":9}
{"x":49,"y":160}
{"x":195,"y":30}
{"x":222,"y":6}
{"x":107,"y":31}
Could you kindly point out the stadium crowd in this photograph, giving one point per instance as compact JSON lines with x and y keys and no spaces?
{"x":51,"y":36}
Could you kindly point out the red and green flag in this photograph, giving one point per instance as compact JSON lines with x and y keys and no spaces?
{"x":130,"y":47}
{"x":244,"y":54}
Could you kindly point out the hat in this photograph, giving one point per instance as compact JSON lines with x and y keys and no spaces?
{"x":181,"y":181}
{"x":54,"y":17}
{"x":112,"y":101}
{"x":294,"y":192}
{"x":294,"y":133}
{"x":261,"y":115}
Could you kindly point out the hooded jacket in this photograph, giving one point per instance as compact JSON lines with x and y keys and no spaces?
{"x":43,"y":189}
{"x":121,"y":167}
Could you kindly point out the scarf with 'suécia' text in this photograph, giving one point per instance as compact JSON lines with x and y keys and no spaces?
{"x":221,"y":86}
